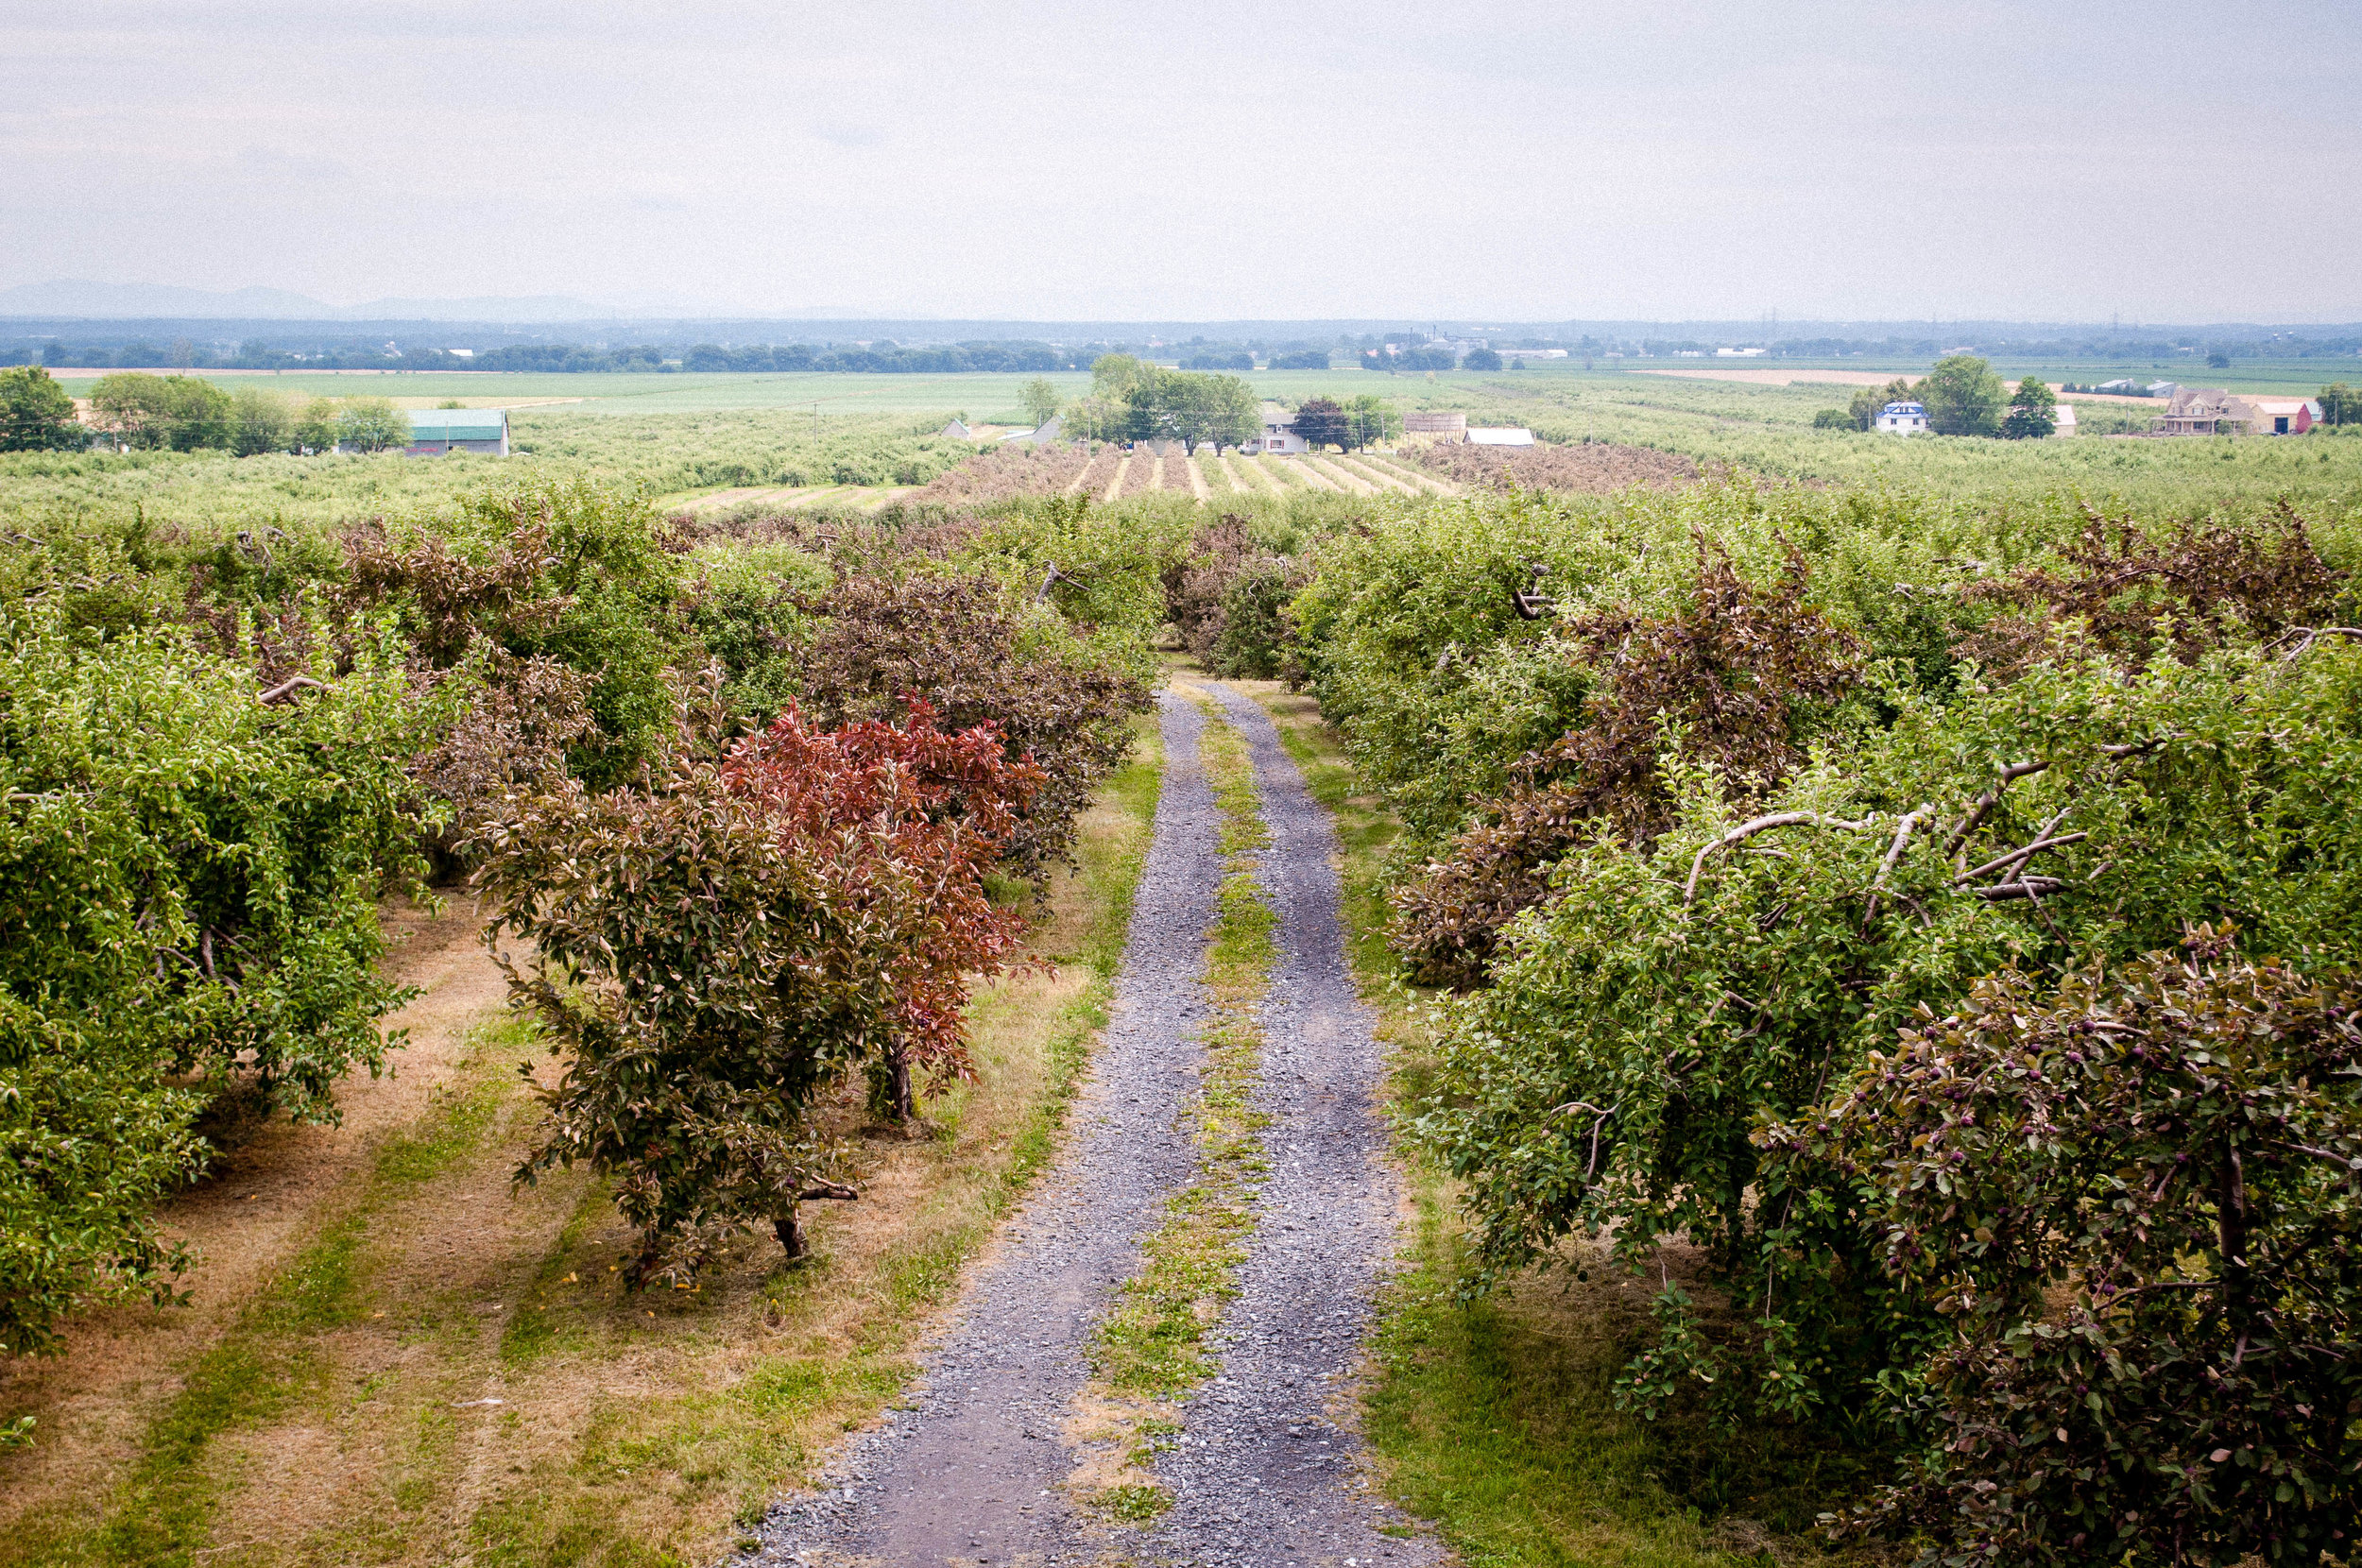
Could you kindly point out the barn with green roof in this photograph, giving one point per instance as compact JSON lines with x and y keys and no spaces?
{"x":440,"y":429}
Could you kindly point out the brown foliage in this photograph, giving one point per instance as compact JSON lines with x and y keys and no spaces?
{"x":954,"y":644}
{"x":2138,"y":597}
{"x":451,"y":600}
{"x":1008,"y":472}
{"x":1740,"y":670}
{"x":1592,"y":467}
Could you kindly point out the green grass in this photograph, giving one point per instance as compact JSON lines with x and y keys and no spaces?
{"x":268,"y":1362}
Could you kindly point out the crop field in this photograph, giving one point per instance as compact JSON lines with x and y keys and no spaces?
{"x":1862,"y":937}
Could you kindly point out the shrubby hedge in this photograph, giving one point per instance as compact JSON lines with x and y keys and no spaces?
{"x":1718,"y":801}
{"x":189,"y":878}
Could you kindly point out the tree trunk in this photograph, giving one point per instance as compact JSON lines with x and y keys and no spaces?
{"x":789,"y":1233}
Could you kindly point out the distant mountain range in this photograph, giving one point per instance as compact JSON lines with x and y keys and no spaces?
{"x":77,"y":297}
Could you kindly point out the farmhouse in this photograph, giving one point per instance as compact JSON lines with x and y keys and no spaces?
{"x":1279,"y":432}
{"x":2063,"y":418}
{"x":955,"y":431}
{"x":2212,"y":411}
{"x":441,"y":430}
{"x":1902,"y":419}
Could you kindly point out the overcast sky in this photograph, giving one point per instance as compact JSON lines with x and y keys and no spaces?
{"x":2169,"y":160}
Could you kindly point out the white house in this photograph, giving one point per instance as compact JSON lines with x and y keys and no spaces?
{"x":2063,"y":417}
{"x":1279,"y":432}
{"x":1902,"y":419}
{"x":1500,"y":436}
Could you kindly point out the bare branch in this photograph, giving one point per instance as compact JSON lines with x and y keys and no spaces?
{"x":1748,"y":829}
{"x":2017,"y":856}
{"x":829,"y":1189}
{"x":2033,"y":887}
{"x":1985,"y":802}
{"x":1895,"y":852}
{"x":287,"y":688}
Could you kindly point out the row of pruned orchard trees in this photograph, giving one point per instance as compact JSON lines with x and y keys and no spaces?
{"x":1961,"y":963}
{"x":737,"y":809}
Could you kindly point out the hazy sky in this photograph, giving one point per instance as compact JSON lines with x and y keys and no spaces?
{"x":2170,"y":160}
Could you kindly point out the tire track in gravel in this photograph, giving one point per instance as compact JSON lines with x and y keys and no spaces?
{"x":1265,"y":1476}
{"x":1266,"y":1472}
{"x":971,"y":1473}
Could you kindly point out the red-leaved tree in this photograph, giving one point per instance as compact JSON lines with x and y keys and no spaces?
{"x":711,"y":953}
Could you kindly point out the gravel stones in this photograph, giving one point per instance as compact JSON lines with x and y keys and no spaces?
{"x":1262,"y":1474}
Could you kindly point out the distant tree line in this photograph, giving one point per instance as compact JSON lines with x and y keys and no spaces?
{"x":568,"y":358}
{"x":142,"y":412}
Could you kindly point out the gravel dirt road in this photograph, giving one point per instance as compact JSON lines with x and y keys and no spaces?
{"x":1266,"y":1471}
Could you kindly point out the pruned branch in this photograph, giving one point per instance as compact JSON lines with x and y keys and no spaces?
{"x":287,"y":690}
{"x":2312,"y":635}
{"x":819,"y":1189}
{"x":2033,"y":887}
{"x":1748,"y":831}
{"x":2017,"y":856}
{"x":1985,"y":802}
{"x":1895,"y":852}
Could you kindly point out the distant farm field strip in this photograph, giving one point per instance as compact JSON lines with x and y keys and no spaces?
{"x":1115,"y":481}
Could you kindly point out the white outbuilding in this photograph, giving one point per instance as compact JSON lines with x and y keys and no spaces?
{"x":1500,"y":436}
{"x":1902,"y":419}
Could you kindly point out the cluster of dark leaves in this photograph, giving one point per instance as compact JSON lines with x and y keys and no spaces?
{"x":1227,"y":599}
{"x":2136,"y":1199}
{"x":953,"y":642}
{"x":713,"y":951}
{"x":1741,"y":671}
{"x":2136,"y":598}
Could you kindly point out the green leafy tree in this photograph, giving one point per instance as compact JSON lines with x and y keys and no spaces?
{"x":1832,"y":419}
{"x":2340,"y":404}
{"x":176,"y":412}
{"x":36,"y":414}
{"x":2033,"y":412}
{"x":191,"y":857}
{"x":371,"y":424}
{"x":1112,"y":375}
{"x":1963,"y":397}
{"x":1040,"y":399}
{"x":1235,"y":414}
{"x":316,"y":427}
{"x":1373,"y":420}
{"x":1482,"y":359}
{"x":1323,"y":422}
{"x":262,"y":421}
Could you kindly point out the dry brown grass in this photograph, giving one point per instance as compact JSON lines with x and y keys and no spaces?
{"x":329,"y":1398}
